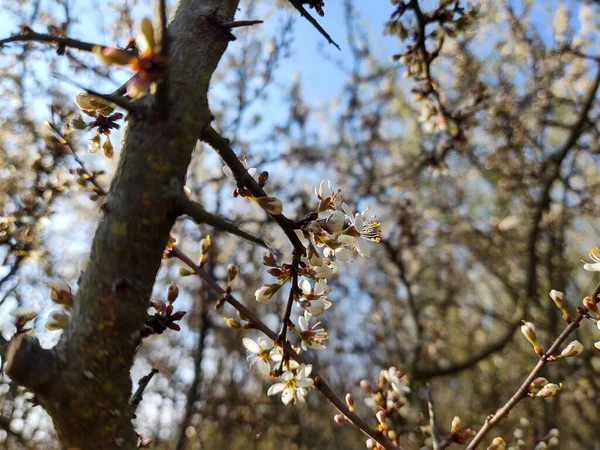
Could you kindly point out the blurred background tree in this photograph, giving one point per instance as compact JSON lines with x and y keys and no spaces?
{"x":471,"y":130}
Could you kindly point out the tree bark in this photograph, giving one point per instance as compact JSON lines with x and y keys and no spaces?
{"x":84,"y":382}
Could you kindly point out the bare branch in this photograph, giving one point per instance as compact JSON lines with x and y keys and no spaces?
{"x":199,"y":215}
{"x":304,"y":13}
{"x":28,"y":35}
{"x":136,"y":398}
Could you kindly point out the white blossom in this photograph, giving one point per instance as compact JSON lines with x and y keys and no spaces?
{"x":293,"y":387}
{"x":312,"y":335}
{"x":259,"y":354}
{"x":594,"y":255}
{"x":573,"y":349}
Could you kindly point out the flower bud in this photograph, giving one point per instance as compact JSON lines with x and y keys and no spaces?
{"x":549,"y":390}
{"x":172,"y":293}
{"x":559,"y":300}
{"x":370,"y":443}
{"x":232,"y":272}
{"x":232,"y":323}
{"x":60,"y":293}
{"x":350,"y":402}
{"x":183,"y":272}
{"x":528,"y":330}
{"x":553,"y":442}
{"x":270,"y":204}
{"x":266,"y":291}
{"x":381,"y":416}
{"x":108,"y":149}
{"x":58,"y":320}
{"x":590,"y":304}
{"x":541,"y":446}
{"x":94,"y":144}
{"x":538,"y":383}
{"x":339,"y":418}
{"x":573,"y":349}
{"x":205,"y":245}
{"x":554,"y":432}
{"x":497,"y":444}
{"x":365,"y":385}
{"x":455,"y":427}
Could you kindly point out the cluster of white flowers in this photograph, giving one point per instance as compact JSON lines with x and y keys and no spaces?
{"x":295,"y":382}
{"x":333,"y":233}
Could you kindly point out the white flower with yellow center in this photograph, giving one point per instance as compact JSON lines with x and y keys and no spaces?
{"x":312,"y":335}
{"x":259,"y":355}
{"x":293,"y":387}
{"x":594,"y":255}
{"x":361,"y":233}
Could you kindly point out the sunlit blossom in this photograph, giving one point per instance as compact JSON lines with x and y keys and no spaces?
{"x":293,"y":387}
{"x":360,"y":228}
{"x":259,"y":355}
{"x":594,"y":255}
{"x":312,"y":335}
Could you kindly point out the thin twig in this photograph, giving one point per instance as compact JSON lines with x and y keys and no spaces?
{"x":199,"y":215}
{"x":258,"y":324}
{"x":523,"y":390}
{"x":223,"y":148}
{"x":91,"y":177}
{"x":240,"y":23}
{"x":304,"y":13}
{"x":137,"y":396}
{"x":286,"y":322}
{"x":28,"y":35}
{"x":435,"y":437}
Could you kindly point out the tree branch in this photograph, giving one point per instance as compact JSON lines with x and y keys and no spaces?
{"x":28,"y":35}
{"x":258,"y":324}
{"x":199,"y":215}
{"x":523,"y":390}
{"x":223,"y":148}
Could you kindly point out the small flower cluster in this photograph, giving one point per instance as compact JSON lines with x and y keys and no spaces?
{"x":295,"y":382}
{"x":387,"y":399}
{"x":330,"y":234}
{"x":103,"y":122}
{"x":165,"y":316}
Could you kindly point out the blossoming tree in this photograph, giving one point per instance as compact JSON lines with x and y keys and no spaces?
{"x":480,"y":166}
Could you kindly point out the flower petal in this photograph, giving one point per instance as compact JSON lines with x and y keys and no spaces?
{"x":276,"y":389}
{"x":251,"y":345}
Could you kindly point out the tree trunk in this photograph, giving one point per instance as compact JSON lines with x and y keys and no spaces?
{"x":84,"y":382}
